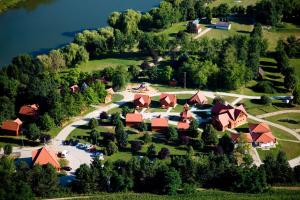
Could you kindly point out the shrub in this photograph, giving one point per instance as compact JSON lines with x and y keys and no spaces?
{"x":93,"y":123}
{"x":265,"y":87}
{"x":7,"y":149}
{"x":151,"y":151}
{"x":115,"y":118}
{"x":172,"y":134}
{"x":164,"y":153}
{"x":103,"y":115}
{"x":147,"y":138}
{"x":136,"y":146}
{"x":143,"y":126}
{"x":45,"y":138}
{"x":108,"y":137}
{"x":46,"y":122}
{"x":265,"y":100}
{"x":111,"y":148}
{"x":197,"y":144}
{"x":218,"y":99}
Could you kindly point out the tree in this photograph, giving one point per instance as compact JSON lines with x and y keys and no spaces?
{"x":46,"y":122}
{"x":93,"y":123}
{"x":75,"y":55}
{"x":164,"y":153}
{"x":111,"y":148}
{"x":265,"y":100}
{"x":115,"y":118}
{"x":120,"y":78}
{"x":226,"y":143}
{"x":209,"y":135}
{"x":168,"y":180}
{"x":190,"y":151}
{"x":172,"y":133}
{"x":218,"y":99}
{"x":151,"y":151}
{"x":193,"y":129}
{"x":7,"y":109}
{"x":134,"y":71}
{"x":143,"y":127}
{"x":103,"y":115}
{"x":265,"y":87}
{"x":136,"y":146}
{"x":290,"y":81}
{"x":121,"y":135}
{"x":125,"y":110}
{"x":296,"y":94}
{"x":33,"y":133}
{"x":85,"y":180}
{"x":292,"y":46}
{"x":57,"y":60}
{"x":147,"y":138}
{"x":7,"y":149}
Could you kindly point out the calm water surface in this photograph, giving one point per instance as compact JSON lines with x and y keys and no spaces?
{"x":38,"y":26}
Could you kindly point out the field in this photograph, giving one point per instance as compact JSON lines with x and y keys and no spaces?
{"x":277,"y":194}
{"x":231,"y":3}
{"x":296,"y":64}
{"x":291,"y":149}
{"x":290,"y":120}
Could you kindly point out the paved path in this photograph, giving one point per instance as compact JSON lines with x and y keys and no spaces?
{"x":237,"y":100}
{"x":202,"y":33}
{"x":292,"y":132}
{"x":286,"y":140}
{"x":277,"y":113}
{"x":256,"y":159}
{"x":294,"y":162}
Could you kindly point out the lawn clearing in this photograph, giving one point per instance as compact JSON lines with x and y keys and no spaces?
{"x":292,"y":150}
{"x":295,"y":62}
{"x":290,"y":120}
{"x":174,"y":29}
{"x":232,"y":3}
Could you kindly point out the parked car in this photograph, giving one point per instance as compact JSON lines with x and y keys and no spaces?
{"x":62,"y":154}
{"x":66,"y":142}
{"x":67,"y":168}
{"x":75,"y":142}
{"x":80,"y":146}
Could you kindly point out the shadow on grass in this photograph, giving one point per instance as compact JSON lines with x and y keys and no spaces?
{"x":155,"y":104}
{"x":18,"y":141}
{"x":267,"y":63}
{"x":242,"y":130}
{"x":182,"y":101}
{"x":273,"y":76}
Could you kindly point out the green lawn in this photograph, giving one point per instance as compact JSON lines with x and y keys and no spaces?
{"x":231,"y":3}
{"x":174,"y":29}
{"x":181,"y":100}
{"x":211,"y":194}
{"x":117,"y":97}
{"x":94,"y":65}
{"x":83,"y":131}
{"x":296,"y":64}
{"x":167,"y":88}
{"x":290,"y":120}
{"x":291,"y":149}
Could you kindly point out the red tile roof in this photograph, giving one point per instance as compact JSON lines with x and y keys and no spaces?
{"x":44,"y":156}
{"x":259,"y":128}
{"x":167,"y":99}
{"x":198,"y":98}
{"x":12,"y":125}
{"x":183,"y":125}
{"x":74,"y":88}
{"x":141,"y":100}
{"x":219,"y":107}
{"x":29,"y":110}
{"x":159,"y":122}
{"x":134,"y":117}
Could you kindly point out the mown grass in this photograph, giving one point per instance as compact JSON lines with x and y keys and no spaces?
{"x":292,"y":150}
{"x":231,"y":3}
{"x":274,"y":194}
{"x":295,"y":62}
{"x":290,"y":120}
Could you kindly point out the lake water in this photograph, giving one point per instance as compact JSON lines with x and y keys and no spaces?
{"x":38,"y":26}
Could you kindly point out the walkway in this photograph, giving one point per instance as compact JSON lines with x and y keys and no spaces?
{"x":202,"y":33}
{"x":277,"y":113}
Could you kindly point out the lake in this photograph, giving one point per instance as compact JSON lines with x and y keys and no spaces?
{"x":38,"y":26}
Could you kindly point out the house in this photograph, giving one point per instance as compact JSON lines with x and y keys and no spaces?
{"x":186,"y":115}
{"x":223,"y":25}
{"x":45,"y":156}
{"x":262,"y":135}
{"x":133,"y":119}
{"x":225,"y":116}
{"x":173,"y":82}
{"x":194,"y":26}
{"x":109,"y":95}
{"x":12,"y":126}
{"x":198,"y":99}
{"x":167,"y":100}
{"x":141,"y":101}
{"x":183,"y":126}
{"x":29,"y":110}
{"x":74,"y":89}
{"x":159,"y":124}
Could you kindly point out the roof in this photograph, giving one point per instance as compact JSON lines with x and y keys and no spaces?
{"x":236,"y":136}
{"x":259,"y":128}
{"x":199,"y":98}
{"x":142,"y":99}
{"x":29,"y":110}
{"x":159,"y":122}
{"x":183,"y":125}
{"x":44,"y":156}
{"x":223,"y":119}
{"x":134,"y":117}
{"x":168,"y":98}
{"x":218,"y":107}
{"x":12,"y":125}
{"x":266,"y":137}
{"x":186,"y":114}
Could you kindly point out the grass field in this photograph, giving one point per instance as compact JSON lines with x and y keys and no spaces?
{"x":231,"y":3}
{"x":278,"y":194}
{"x":94,"y":65}
{"x":296,"y":64}
{"x":291,"y":149}
{"x":290,"y":120}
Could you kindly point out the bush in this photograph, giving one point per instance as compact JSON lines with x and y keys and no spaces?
{"x":265,"y":100}
{"x":164,"y":153}
{"x":188,"y":188}
{"x":111,"y":148}
{"x":147,"y":138}
{"x":45,"y":138}
{"x":103,"y":115}
{"x":151,"y":151}
{"x":93,"y":123}
{"x":197,"y":144}
{"x":7,"y":149}
{"x":143,"y":126}
{"x":136,"y":146}
{"x":172,"y":134}
{"x":115,"y":118}
{"x":33,"y":132}
{"x":265,"y":87}
{"x":46,"y":122}
{"x":218,"y":99}
{"x":108,"y":137}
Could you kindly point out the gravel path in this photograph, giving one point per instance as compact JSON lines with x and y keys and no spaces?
{"x":277,"y":113}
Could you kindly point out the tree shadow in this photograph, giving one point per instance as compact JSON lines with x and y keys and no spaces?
{"x":241,"y":31}
{"x":268,"y":63}
{"x":18,"y":141}
{"x":271,"y":69}
{"x":242,"y":130}
{"x":273,"y":76}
